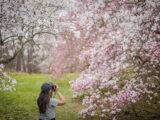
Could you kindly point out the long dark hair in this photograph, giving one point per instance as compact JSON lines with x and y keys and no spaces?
{"x":43,"y":100}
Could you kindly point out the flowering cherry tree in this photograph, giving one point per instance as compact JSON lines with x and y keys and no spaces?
{"x":22,"y":24}
{"x":124,"y":61}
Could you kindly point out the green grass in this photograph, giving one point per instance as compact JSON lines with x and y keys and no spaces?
{"x":21,"y":104}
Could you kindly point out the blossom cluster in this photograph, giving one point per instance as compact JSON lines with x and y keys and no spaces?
{"x":6,"y":82}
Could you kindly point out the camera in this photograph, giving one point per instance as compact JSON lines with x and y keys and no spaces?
{"x":54,"y":87}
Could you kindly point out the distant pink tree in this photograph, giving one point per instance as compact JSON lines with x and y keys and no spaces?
{"x":66,"y":57}
{"x":71,"y":44}
{"x":124,"y":61}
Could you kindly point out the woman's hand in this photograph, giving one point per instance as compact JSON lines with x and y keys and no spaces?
{"x":62,"y":100}
{"x":57,"y":88}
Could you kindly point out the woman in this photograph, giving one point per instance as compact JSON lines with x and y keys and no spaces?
{"x":46,"y":103}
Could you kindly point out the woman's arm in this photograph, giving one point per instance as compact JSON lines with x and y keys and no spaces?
{"x":62,"y":100}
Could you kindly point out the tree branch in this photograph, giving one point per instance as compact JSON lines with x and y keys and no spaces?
{"x":23,"y":44}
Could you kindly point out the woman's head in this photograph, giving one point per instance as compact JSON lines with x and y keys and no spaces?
{"x":45,"y":95}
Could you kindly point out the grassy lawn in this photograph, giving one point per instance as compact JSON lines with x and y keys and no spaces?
{"x":21,"y":104}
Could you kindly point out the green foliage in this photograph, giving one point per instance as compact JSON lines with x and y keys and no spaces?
{"x":21,"y":104}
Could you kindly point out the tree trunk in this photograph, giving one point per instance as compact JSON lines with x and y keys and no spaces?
{"x":29,"y":62}
{"x":23,"y":62}
{"x":18,"y":59}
